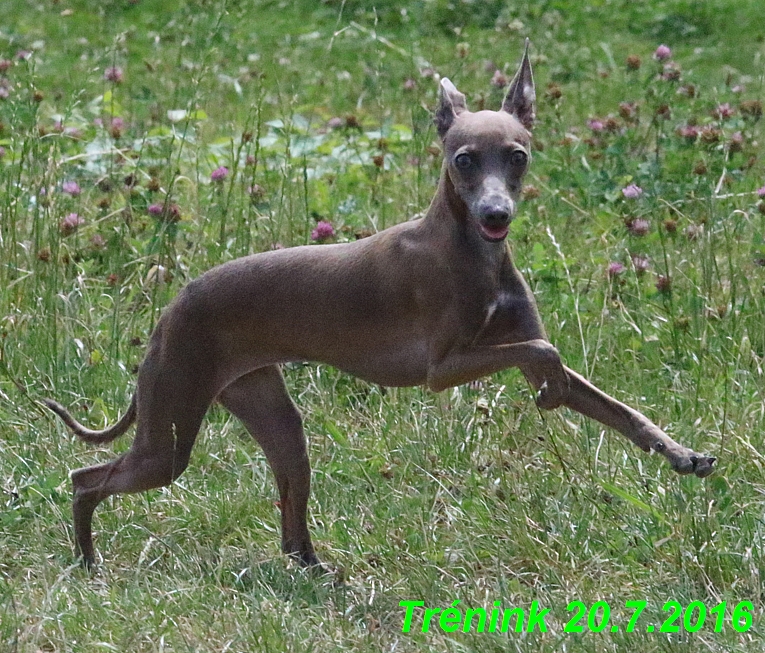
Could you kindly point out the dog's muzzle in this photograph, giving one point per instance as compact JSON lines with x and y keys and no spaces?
{"x":493,"y":217}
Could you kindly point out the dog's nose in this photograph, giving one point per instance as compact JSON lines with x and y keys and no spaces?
{"x":496,"y":210}
{"x":494,"y":206}
{"x":496,"y":215}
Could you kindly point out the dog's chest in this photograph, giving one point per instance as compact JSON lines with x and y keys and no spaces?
{"x":509,"y":317}
{"x":504,"y":307}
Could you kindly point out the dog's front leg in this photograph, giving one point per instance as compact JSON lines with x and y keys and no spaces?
{"x":588,"y":400}
{"x":463,"y":364}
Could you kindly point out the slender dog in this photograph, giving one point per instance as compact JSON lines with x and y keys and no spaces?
{"x":435,"y":301}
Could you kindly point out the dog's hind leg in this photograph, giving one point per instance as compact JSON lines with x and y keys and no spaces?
{"x":260,"y":400}
{"x":159,"y":454}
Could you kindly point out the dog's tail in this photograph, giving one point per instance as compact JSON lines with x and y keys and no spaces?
{"x":94,"y":437}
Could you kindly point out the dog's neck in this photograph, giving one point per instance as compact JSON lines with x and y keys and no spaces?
{"x":449,"y":217}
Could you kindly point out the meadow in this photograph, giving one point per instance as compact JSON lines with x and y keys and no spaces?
{"x":144,"y":141}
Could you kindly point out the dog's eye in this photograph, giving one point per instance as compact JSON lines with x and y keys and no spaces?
{"x":518,"y":158}
{"x":463,"y":161}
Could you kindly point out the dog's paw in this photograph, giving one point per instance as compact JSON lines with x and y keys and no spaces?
{"x":700,"y":465}
{"x":305,"y":556}
{"x":684,"y":461}
{"x":87,"y":563}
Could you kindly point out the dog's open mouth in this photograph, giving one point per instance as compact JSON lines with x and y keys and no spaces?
{"x":493,"y":233}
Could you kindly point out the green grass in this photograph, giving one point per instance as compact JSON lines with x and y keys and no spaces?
{"x":471,"y":494}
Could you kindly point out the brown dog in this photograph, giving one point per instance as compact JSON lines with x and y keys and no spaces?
{"x":435,"y":301}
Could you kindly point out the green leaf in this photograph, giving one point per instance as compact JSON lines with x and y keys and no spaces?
{"x":337,"y":435}
{"x":626,"y":496}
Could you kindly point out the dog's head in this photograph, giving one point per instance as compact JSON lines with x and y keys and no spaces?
{"x":487,"y":153}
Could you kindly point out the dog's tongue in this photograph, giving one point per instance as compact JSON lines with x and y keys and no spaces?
{"x":494,"y":233}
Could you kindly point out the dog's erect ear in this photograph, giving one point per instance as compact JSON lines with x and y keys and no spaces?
{"x":451,"y":103}
{"x":521,"y":96}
